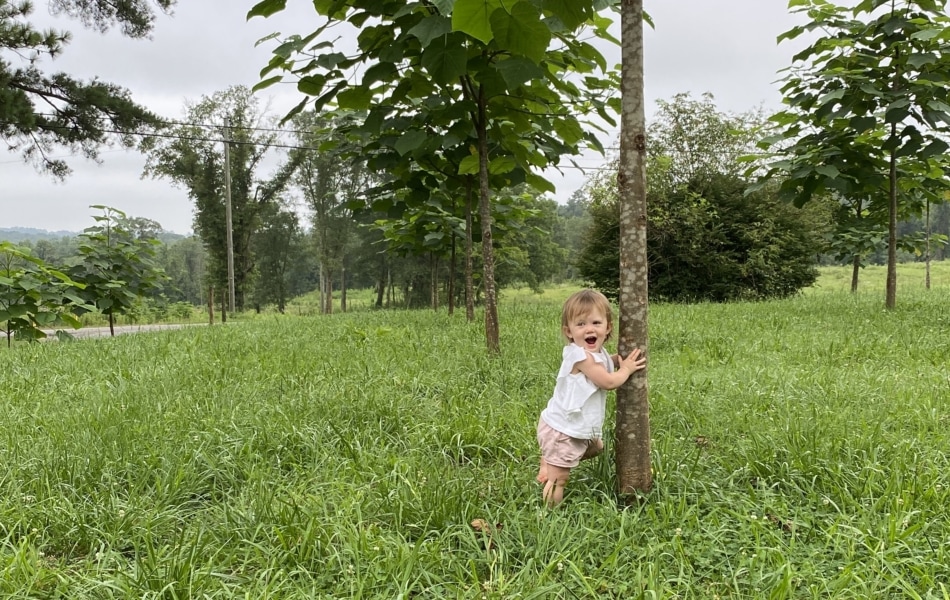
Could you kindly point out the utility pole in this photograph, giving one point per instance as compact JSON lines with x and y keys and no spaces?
{"x":227,"y":210}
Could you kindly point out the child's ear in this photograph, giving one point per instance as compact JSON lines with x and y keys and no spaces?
{"x":567,"y":332}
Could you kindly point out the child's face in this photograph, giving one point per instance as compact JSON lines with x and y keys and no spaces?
{"x":588,"y":330}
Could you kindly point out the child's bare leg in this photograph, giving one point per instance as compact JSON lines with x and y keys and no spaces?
{"x":553,"y":492}
{"x":542,"y":472}
{"x":595,"y":448}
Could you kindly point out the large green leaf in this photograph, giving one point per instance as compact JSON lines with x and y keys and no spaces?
{"x":311,"y":85}
{"x":521,"y":31}
{"x":409,"y":141}
{"x":474,"y":18}
{"x":572,"y":13}
{"x":539,"y":183}
{"x":469,"y":165}
{"x":569,"y":130}
{"x":517,"y":71}
{"x":502,"y":164}
{"x":355,"y":98}
{"x":430,"y":28}
{"x":382,"y":71}
{"x":445,"y":58}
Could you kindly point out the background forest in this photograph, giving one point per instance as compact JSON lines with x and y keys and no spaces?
{"x":709,"y":240}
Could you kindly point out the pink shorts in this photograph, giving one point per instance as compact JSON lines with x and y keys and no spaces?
{"x":559,"y":449}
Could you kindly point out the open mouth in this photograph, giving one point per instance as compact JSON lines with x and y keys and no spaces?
{"x":591,"y":340}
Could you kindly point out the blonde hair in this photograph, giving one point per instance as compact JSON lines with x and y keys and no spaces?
{"x":583,"y":302}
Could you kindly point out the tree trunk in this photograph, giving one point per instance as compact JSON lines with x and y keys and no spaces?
{"x":451,"y":287}
{"x":484,"y":213}
{"x":927,"y":261}
{"x":381,"y":284}
{"x":890,"y":301}
{"x":433,"y":281}
{"x":111,"y":325}
{"x":343,"y":289}
{"x":855,"y":269}
{"x":211,"y":305}
{"x":469,"y":284}
{"x":633,"y":414}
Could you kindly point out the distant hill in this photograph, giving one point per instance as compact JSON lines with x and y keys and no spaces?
{"x":23,"y":234}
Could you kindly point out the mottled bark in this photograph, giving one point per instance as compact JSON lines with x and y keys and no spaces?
{"x":634,"y":473}
{"x":927,"y":260}
{"x":452,"y":273}
{"x":469,"y":285}
{"x":484,"y":213}
{"x":343,"y":289}
{"x":855,"y":271}
{"x":891,"y":292}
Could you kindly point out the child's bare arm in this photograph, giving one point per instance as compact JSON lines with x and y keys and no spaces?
{"x":605,"y":380}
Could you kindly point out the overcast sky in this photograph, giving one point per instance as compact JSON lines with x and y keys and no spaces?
{"x":725,"y":47}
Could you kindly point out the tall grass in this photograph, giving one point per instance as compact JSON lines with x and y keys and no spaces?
{"x":800,"y":451}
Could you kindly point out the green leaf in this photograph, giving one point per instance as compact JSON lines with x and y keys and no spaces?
{"x":862,"y":124}
{"x":539,"y":183}
{"x":927,"y":34}
{"x":829,"y":171}
{"x":896,"y":114}
{"x":294,"y":111}
{"x":311,"y":85}
{"x":446,"y":59}
{"x":569,"y":130}
{"x":469,"y":165}
{"x":266,"y":8}
{"x":473,"y":17}
{"x":502,"y":164}
{"x":382,"y":71}
{"x":355,"y":98}
{"x":571,"y":13}
{"x":521,"y":32}
{"x":260,"y":85}
{"x":444,"y":6}
{"x":516,"y":71}
{"x":936,"y":147}
{"x":430,"y":28}
{"x":409,"y":141}
{"x":918,"y":60}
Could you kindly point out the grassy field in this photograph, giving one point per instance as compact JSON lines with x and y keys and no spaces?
{"x":800,"y":451}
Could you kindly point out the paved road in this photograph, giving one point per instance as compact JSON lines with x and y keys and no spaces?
{"x":88,"y":332}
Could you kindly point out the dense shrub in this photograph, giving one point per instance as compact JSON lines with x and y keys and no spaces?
{"x":708,"y":240}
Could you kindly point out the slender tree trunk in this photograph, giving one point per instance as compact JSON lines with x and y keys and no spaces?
{"x":633,"y":414}
{"x":855,"y":269}
{"x":927,"y":264}
{"x":211,"y":305}
{"x":451,"y":287}
{"x":392,"y":292}
{"x":890,"y":301}
{"x":484,"y":213}
{"x":111,"y":325}
{"x":469,"y":283}
{"x":343,"y":289}
{"x":433,"y":281}
{"x":381,"y":284}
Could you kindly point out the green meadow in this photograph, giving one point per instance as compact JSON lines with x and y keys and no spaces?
{"x":800,"y":450}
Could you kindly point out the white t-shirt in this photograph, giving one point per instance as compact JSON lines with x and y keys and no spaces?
{"x":577,"y":407}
